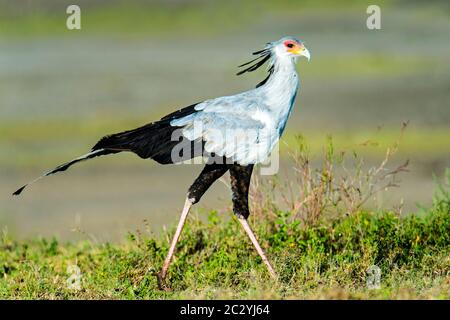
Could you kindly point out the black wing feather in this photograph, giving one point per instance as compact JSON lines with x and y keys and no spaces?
{"x":153,"y":140}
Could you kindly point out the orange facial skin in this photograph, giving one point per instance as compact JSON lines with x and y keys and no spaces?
{"x":293,"y":47}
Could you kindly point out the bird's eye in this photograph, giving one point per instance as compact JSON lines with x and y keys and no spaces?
{"x":290,"y":45}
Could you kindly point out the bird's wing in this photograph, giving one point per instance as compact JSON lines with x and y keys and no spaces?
{"x":236,"y":127}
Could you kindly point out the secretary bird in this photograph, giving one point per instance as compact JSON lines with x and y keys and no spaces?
{"x":252,"y":121}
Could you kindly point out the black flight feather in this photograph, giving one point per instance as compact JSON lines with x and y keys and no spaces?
{"x":153,"y":140}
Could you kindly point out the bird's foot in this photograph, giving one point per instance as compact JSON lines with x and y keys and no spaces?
{"x":162,"y":284}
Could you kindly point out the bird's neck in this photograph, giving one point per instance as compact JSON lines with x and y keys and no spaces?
{"x":281,"y":87}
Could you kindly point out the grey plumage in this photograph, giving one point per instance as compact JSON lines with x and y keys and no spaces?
{"x":243,"y":127}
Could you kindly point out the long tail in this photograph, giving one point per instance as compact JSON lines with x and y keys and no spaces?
{"x":65,"y":166}
{"x":153,"y":140}
{"x":150,"y":141}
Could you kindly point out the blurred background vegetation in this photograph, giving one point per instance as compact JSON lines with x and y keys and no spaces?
{"x":134,"y":61}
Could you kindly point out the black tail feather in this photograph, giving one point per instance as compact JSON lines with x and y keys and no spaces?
{"x":65,"y":166}
{"x":19,"y":191}
{"x":153,"y":140}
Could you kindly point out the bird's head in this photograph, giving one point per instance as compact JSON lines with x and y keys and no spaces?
{"x":290,"y":47}
{"x":286,"y":47}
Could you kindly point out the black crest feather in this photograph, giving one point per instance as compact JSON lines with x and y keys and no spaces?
{"x":264,"y":55}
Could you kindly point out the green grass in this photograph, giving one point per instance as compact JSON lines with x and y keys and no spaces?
{"x":216,"y":260}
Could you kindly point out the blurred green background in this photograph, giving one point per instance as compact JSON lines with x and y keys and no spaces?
{"x":134,"y":61}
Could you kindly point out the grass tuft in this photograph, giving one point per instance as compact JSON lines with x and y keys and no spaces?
{"x":324,"y":244}
{"x":215,"y":260}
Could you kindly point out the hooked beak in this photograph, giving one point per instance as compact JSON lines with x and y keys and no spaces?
{"x":305,"y":53}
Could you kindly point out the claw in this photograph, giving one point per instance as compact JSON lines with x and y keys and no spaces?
{"x":162,"y":285}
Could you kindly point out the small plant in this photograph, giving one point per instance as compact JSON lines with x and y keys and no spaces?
{"x":214,"y":261}
{"x":441,"y":197}
{"x":341,"y":185}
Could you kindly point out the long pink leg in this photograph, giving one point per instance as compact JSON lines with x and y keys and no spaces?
{"x":162,"y":276}
{"x":261,"y":253}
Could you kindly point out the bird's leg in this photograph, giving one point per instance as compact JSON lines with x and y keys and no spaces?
{"x":184,"y":214}
{"x":260,"y":251}
{"x":209,"y":174}
{"x":240,"y":184}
